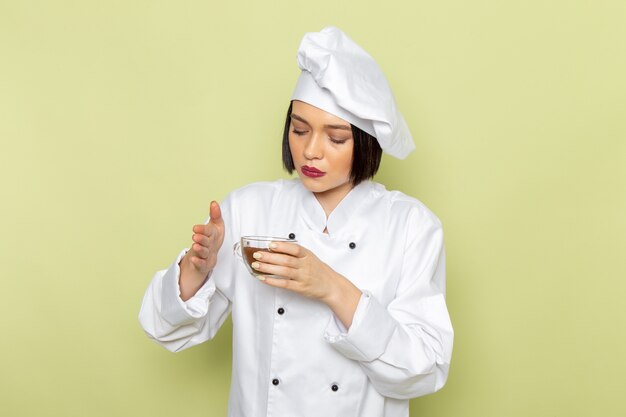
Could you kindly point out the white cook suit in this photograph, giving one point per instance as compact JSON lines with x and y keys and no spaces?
{"x":291,"y":356}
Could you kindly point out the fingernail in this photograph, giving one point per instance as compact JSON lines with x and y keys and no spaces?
{"x":255,"y":265}
{"x":257,"y":255}
{"x":273,"y":245}
{"x":260,"y":277}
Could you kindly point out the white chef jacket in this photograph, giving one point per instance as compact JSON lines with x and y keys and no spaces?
{"x":291,"y":356}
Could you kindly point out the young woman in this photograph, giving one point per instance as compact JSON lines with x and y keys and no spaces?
{"x":356,"y":324}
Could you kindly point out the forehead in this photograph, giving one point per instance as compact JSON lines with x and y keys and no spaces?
{"x":315,"y":115}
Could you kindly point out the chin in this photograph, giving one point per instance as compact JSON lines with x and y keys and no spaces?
{"x":317,"y":187}
{"x":313,"y":185}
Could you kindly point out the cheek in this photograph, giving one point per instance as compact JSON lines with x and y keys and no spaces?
{"x":347,"y":160}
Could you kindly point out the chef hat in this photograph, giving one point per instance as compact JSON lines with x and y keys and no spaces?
{"x":339,"y":77}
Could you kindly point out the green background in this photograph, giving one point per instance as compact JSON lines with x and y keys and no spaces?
{"x":121,"y":120}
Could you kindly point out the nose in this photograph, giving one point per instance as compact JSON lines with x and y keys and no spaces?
{"x":313,"y":148}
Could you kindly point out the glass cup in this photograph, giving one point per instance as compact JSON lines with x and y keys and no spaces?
{"x":246,"y":247}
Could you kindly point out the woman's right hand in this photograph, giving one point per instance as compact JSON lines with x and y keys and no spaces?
{"x":202,"y":257}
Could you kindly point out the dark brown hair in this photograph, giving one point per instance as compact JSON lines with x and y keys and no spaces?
{"x":366,"y":154}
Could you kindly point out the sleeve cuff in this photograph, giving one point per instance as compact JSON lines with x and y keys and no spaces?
{"x":173,"y":309}
{"x":357,"y":343}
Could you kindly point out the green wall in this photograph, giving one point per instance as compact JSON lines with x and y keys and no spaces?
{"x":121,"y":120}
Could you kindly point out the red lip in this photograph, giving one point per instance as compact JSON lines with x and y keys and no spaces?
{"x":312,"y":172}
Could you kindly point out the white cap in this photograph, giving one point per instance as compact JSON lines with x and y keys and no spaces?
{"x":339,"y":77}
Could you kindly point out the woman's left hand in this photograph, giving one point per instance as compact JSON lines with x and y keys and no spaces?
{"x":305,"y":274}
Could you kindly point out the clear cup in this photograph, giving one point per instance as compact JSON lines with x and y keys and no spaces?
{"x":246,"y":247}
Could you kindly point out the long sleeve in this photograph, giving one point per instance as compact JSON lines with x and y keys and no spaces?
{"x":176,"y":324}
{"x":405,"y":348}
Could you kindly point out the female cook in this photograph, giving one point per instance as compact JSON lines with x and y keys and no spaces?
{"x":358,"y":323}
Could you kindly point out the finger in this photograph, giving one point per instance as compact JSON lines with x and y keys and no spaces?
{"x":279,"y":282}
{"x":215,"y":213}
{"x":200,"y":251}
{"x":205,"y":229}
{"x":292,"y":249}
{"x":270,"y":269}
{"x":200,"y":264}
{"x":276,"y":259}
{"x":201,"y":239}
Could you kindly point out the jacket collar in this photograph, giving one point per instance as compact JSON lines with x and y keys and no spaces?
{"x":345,"y":212}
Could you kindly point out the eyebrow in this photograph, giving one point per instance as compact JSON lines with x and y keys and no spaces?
{"x":342,"y":127}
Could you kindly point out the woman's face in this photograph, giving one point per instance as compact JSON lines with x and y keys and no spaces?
{"x":321,"y":147}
